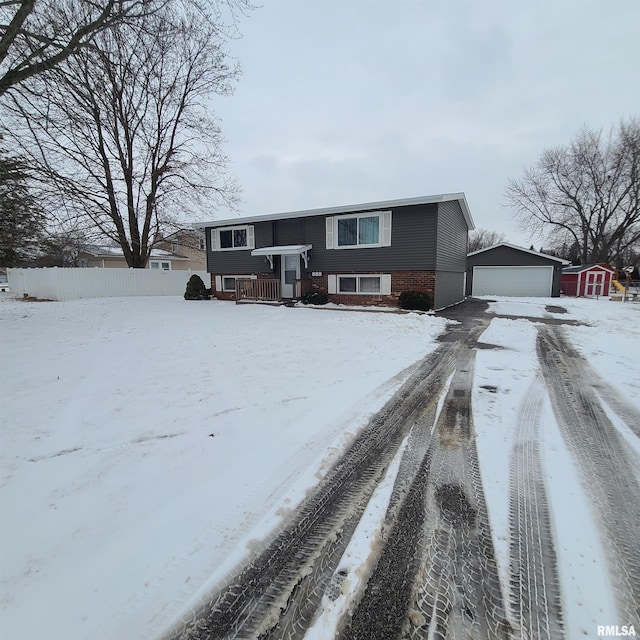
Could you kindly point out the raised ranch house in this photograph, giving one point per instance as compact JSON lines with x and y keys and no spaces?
{"x":363,"y":254}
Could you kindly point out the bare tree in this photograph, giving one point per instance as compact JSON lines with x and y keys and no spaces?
{"x":586,"y":194}
{"x":122,"y":132}
{"x":482,"y":238}
{"x":38,"y":35}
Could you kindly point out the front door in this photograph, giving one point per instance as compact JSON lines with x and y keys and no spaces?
{"x":290,"y":273}
{"x":595,"y":281}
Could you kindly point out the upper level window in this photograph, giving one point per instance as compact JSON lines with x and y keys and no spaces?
{"x":232,"y":238}
{"x":158,"y":264}
{"x":359,"y":230}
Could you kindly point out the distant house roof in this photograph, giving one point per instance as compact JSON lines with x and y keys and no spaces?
{"x":586,"y":267}
{"x":116,"y":252}
{"x":517,"y":248}
{"x":383,"y":204}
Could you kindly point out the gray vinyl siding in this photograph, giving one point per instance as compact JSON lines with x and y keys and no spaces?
{"x":241,"y":262}
{"x":452,"y":238}
{"x":413,"y":245}
{"x":506,"y":257}
{"x":291,"y":231}
{"x":449,"y":288}
{"x":413,"y":240}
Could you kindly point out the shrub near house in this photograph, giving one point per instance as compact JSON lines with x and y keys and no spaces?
{"x":196,"y":289}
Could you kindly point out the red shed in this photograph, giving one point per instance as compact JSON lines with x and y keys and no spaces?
{"x":587,"y":280}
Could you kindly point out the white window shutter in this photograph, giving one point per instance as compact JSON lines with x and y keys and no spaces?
{"x":332,"y":283}
{"x":330,"y":233}
{"x":251,"y":238}
{"x":214,"y":239}
{"x":218,"y":283}
{"x":386,"y":229}
{"x":385,"y":284}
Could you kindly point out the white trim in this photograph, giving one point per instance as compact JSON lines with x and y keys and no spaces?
{"x":352,"y":208}
{"x":329,"y":232}
{"x":250,"y":236}
{"x":240,"y":277}
{"x":385,"y":232}
{"x":332,"y":283}
{"x":367,"y":214}
{"x":586,"y":268}
{"x":218,"y":283}
{"x":385,"y":284}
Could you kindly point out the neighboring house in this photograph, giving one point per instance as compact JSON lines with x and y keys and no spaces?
{"x":189,"y":243}
{"x":364,"y":254}
{"x":587,"y":280}
{"x":508,"y":270}
{"x":112,"y":258}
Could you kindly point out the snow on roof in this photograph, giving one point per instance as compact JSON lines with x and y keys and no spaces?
{"x":517,"y":248}
{"x":586,"y":267}
{"x":116,"y":252}
{"x":287,"y":249}
{"x":445,"y":197}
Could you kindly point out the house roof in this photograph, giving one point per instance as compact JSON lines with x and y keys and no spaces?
{"x":116,"y":252}
{"x":586,"y":267}
{"x":367,"y":206}
{"x":517,"y":248}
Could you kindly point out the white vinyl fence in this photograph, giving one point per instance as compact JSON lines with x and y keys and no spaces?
{"x":54,"y":283}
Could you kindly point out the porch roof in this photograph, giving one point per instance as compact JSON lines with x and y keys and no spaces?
{"x":284,"y":250}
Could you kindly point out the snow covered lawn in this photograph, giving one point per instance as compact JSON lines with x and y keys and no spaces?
{"x":147,"y":441}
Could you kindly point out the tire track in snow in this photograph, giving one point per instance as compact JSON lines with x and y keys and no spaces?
{"x":459,"y":594}
{"x":276,"y":594}
{"x":437,"y":576}
{"x":535,"y":585}
{"x":610,"y":471}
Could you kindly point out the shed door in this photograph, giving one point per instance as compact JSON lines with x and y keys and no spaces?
{"x":595,"y":283}
{"x":512,"y":281}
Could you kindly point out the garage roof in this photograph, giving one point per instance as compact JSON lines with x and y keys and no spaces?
{"x":517,"y":248}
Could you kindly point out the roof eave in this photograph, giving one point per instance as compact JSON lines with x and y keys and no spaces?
{"x":383,"y":204}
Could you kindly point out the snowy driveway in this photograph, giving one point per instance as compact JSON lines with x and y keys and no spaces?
{"x":149,"y":449}
{"x":443,"y":552}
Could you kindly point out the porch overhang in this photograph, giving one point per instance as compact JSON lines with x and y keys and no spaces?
{"x":284,"y":250}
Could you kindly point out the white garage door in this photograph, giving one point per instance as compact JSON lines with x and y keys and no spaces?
{"x":512,"y":281}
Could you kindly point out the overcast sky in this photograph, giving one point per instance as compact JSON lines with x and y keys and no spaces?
{"x":350,"y":101}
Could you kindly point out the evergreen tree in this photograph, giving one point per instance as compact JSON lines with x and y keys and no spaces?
{"x":21,"y":219}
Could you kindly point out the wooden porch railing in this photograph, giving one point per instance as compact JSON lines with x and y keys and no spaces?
{"x":265,"y":290}
{"x":302,"y":286}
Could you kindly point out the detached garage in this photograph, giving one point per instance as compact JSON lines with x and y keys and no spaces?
{"x":508,"y":270}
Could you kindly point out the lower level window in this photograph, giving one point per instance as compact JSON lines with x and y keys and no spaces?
{"x":228,"y":283}
{"x":358,"y":284}
{"x":157,"y":264}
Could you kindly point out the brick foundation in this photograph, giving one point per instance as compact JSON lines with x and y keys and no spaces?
{"x":231,"y":295}
{"x":400,"y":281}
